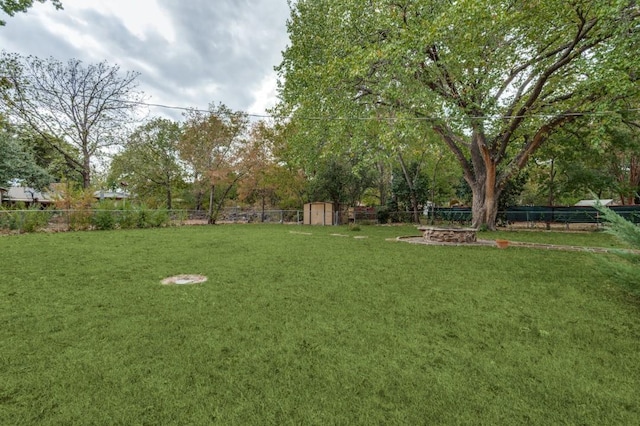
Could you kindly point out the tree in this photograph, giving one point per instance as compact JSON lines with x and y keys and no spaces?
{"x":47,"y":157}
{"x":213,"y":145}
{"x":601,"y":156}
{"x":493,"y":79}
{"x":150,"y":162}
{"x":410,"y":183}
{"x":87,"y":107}
{"x":18,"y":163}
{"x":410,"y":187}
{"x":261,"y":185}
{"x":624,"y":159}
{"x":338,"y":179}
{"x":293,"y":165}
{"x":11,"y":7}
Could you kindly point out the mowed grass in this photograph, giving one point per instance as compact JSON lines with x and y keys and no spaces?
{"x":582,"y":239}
{"x":320,"y":329}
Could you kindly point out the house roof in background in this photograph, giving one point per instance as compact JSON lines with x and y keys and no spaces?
{"x":112,"y":195}
{"x":27,"y":195}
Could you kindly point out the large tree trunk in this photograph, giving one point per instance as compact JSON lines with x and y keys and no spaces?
{"x":480,"y":173}
{"x":484,"y":186}
{"x":484,"y":207}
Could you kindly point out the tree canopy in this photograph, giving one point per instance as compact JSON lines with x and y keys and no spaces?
{"x":213,"y":146}
{"x":86,"y":106}
{"x":493,"y":79}
{"x":17,"y":162}
{"x":149,"y":165}
{"x":11,"y":7}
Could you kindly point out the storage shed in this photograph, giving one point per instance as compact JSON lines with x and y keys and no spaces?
{"x":318,"y":214}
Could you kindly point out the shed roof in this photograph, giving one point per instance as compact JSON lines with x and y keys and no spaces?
{"x":591,"y":203}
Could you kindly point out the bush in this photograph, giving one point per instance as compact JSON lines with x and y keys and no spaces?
{"x":627,"y":271}
{"x":35,"y":220}
{"x":383,"y":215}
{"x":127,"y":219}
{"x":5,"y":219}
{"x":24,"y":220}
{"x":179,"y":216}
{"x":103,"y":220}
{"x":158,"y":218}
{"x":142,"y":216}
{"x":80,"y":220}
{"x":10,"y":220}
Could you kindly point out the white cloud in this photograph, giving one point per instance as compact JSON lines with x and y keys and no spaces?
{"x":140,"y":16}
{"x":189,"y":53}
{"x":265,"y":95}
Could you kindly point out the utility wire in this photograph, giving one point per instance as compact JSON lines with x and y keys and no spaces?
{"x":372,"y":118}
{"x":378,"y":118}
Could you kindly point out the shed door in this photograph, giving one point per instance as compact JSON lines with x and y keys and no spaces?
{"x":318,"y":214}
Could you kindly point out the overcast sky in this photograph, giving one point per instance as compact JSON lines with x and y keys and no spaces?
{"x":189,"y":52}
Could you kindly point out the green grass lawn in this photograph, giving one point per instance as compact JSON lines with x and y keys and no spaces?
{"x":586,"y":239}
{"x":311,"y":329}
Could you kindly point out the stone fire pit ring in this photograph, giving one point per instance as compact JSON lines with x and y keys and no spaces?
{"x":448,"y":235}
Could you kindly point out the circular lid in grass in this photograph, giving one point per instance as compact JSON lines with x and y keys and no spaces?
{"x":184,"y":280}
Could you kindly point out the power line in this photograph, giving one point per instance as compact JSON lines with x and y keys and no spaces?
{"x":389,"y":119}
{"x":424,"y":118}
{"x":179,"y":108}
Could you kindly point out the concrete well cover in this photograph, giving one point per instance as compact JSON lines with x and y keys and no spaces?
{"x":184,"y":279}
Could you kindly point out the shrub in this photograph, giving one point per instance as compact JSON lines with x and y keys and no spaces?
{"x":158,"y":218}
{"x":22,"y":219}
{"x":127,"y":219}
{"x":5,"y":219}
{"x":10,"y":219}
{"x":627,"y":271}
{"x":35,"y":220}
{"x":142,"y":216}
{"x":179,"y":216}
{"x":383,"y":215}
{"x":77,"y":201}
{"x":79,"y":220}
{"x":103,"y":220}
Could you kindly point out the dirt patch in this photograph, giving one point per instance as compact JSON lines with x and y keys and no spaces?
{"x":184,"y":280}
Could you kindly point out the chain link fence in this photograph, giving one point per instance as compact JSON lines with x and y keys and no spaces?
{"x":32,"y":220}
{"x":238,"y":215}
